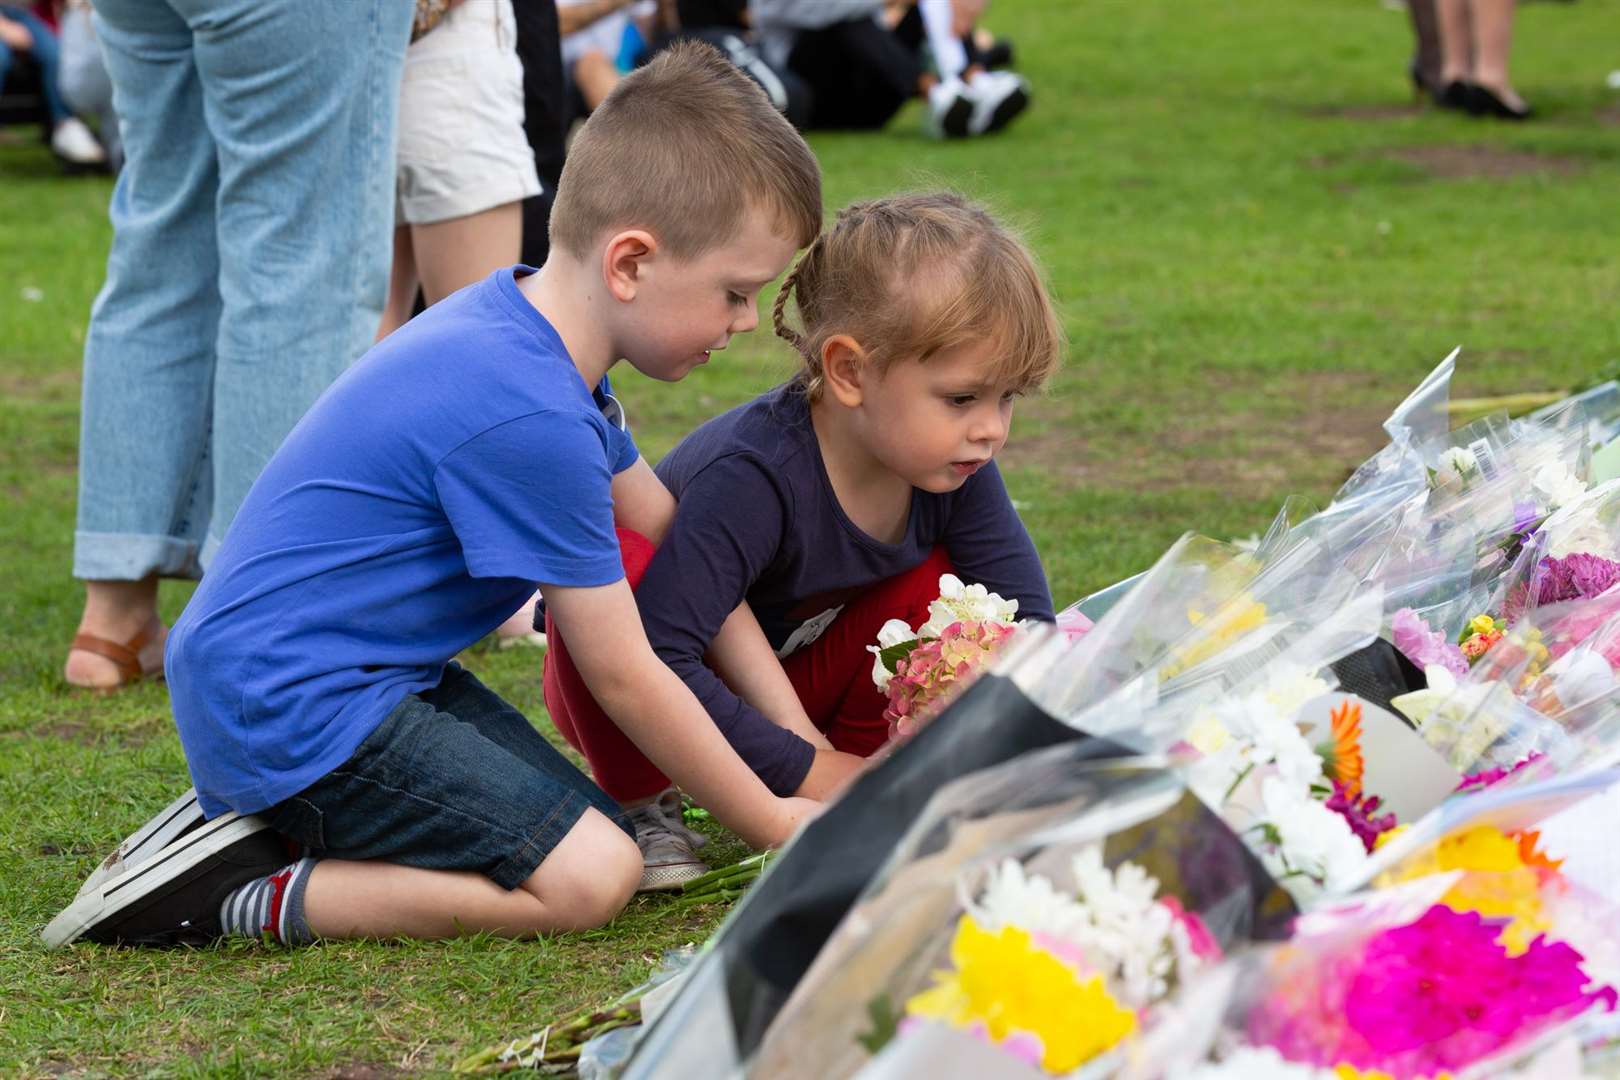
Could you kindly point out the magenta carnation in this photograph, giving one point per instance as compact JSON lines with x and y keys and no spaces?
{"x":1442,"y":993}
{"x":1361,"y":811}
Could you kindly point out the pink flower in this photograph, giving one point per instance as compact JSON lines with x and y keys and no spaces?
{"x":1423,"y":646}
{"x":1199,"y":939}
{"x":937,"y":670}
{"x":1074,"y":625}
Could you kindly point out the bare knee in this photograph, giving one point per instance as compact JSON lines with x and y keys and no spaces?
{"x":589,"y":877}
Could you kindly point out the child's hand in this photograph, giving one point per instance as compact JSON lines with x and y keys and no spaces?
{"x":791,"y":812}
{"x":829,"y":774}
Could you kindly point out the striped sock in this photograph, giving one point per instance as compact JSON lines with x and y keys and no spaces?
{"x":271,"y":905}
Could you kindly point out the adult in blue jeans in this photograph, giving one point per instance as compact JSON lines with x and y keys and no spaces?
{"x":21,"y":31}
{"x":249,"y":266}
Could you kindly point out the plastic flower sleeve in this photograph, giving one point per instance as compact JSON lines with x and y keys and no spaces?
{"x":764,"y":947}
{"x":1045,"y":906}
{"x":1423,"y":415}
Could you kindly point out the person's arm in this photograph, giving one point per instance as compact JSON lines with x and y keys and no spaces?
{"x":988,"y":545}
{"x":654,"y":708}
{"x":572,"y":18}
{"x":641,"y":502}
{"x":15,"y":35}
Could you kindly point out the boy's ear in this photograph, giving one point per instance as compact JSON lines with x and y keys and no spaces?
{"x":623,"y":271}
{"x":843,"y":368}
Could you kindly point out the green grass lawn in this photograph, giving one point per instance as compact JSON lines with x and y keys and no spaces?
{"x":1258,"y":245}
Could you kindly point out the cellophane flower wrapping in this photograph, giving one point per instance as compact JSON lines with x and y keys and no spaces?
{"x":1044,"y":906}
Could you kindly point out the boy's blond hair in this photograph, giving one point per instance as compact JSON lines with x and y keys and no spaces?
{"x":684,"y":147}
{"x":919,"y":274}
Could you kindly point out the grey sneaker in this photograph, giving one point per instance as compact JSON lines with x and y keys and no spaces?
{"x":668,"y":848}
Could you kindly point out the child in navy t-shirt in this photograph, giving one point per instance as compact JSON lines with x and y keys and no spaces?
{"x":835,"y":502}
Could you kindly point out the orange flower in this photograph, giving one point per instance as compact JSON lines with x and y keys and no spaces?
{"x":1532,"y":856}
{"x":1347,"y":764}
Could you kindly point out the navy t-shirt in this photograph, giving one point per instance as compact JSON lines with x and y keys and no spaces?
{"x":413,"y":509}
{"x":756,"y":517}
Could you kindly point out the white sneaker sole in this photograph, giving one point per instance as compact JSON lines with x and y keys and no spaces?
{"x":158,"y":833}
{"x":669,"y":878}
{"x":107,"y":900}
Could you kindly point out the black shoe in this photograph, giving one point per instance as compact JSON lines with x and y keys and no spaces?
{"x":1482,"y":101}
{"x":998,"y":55}
{"x":173,"y":897}
{"x":168,"y":825}
{"x":1454,"y":95}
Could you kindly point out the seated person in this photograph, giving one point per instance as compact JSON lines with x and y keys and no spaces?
{"x":21,"y":31}
{"x":600,"y":41}
{"x":861,"y":69}
{"x":834,"y":503}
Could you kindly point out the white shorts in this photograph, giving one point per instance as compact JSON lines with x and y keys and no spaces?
{"x":462,"y":149}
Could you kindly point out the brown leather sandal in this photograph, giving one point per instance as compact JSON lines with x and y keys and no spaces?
{"x":126,"y":657}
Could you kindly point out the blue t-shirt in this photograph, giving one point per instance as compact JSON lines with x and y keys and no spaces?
{"x":413,"y":509}
{"x":756,"y":517}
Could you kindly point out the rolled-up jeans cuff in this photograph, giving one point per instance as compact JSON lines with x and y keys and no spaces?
{"x":132,"y":556}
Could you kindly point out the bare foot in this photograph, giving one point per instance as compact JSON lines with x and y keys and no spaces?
{"x":93,"y":671}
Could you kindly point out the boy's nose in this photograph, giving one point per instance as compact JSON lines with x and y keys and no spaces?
{"x":747,"y":320}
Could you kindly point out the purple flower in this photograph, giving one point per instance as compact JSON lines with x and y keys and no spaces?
{"x":1360,"y":811}
{"x":1575,"y":576}
{"x":1423,"y":646}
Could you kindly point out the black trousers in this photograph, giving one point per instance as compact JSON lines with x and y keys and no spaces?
{"x":859,"y":72}
{"x":545,"y":116}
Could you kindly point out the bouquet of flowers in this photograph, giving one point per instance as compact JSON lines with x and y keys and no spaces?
{"x":922,"y":670}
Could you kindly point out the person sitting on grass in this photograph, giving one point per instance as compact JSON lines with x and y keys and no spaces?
{"x":833,"y":504}
{"x":465,"y":460}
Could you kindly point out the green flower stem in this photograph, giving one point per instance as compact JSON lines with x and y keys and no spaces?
{"x":749,"y":867}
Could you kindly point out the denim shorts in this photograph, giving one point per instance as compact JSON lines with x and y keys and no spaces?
{"x":453,"y":779}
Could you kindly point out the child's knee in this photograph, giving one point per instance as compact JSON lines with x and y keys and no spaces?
{"x":589,"y":877}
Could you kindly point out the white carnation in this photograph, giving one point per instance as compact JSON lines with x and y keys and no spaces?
{"x":892,"y":633}
{"x":1555,"y":485}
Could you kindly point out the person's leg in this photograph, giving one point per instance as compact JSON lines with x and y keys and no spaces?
{"x":1427,"y":63}
{"x":85,"y":85}
{"x":302,"y":115}
{"x":1456,"y":41}
{"x":452,"y":254}
{"x":583,"y":883}
{"x":402,"y":284}
{"x":858,"y":72}
{"x":595,"y":75}
{"x":47,"y":57}
{"x":148,"y":356}
{"x":545,"y":118}
{"x":833,"y":675}
{"x":1493,"y":44}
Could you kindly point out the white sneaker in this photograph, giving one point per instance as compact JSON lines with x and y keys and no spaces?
{"x":170,"y":824}
{"x":950,"y":107}
{"x":998,"y":97}
{"x":73,"y":143}
{"x":668,"y":848}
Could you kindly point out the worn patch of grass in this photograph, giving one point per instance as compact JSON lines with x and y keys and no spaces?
{"x":1259,"y":246}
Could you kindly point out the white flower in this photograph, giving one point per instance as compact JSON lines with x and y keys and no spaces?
{"x":1303,"y":838}
{"x":1555,"y":485}
{"x":1456,"y":465}
{"x":1579,"y":676}
{"x":891,"y":634}
{"x":1291,"y":687}
{"x":1029,"y":902}
{"x":958,"y":602}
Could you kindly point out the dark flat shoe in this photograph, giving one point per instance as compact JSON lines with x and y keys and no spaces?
{"x":1482,"y":101}
{"x":1454,"y":95}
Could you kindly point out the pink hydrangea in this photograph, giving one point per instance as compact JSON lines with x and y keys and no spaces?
{"x":1425,"y":647}
{"x":936,"y":671}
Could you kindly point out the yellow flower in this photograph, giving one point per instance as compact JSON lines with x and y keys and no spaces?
{"x":1207,"y":734}
{"x":1231,"y":621}
{"x":1482,"y":624}
{"x":1498,"y":883}
{"x":1006,"y":982}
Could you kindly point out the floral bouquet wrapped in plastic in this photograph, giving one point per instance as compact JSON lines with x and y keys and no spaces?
{"x":1474,"y":950}
{"x":922,"y":670}
{"x":1043,"y":908}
